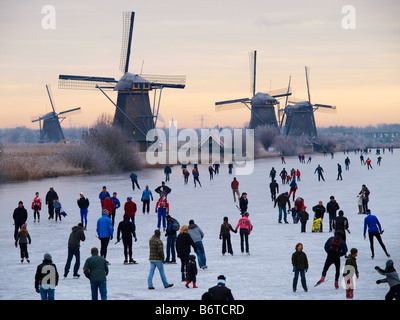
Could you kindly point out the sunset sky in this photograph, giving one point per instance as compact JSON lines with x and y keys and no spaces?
{"x":357,"y":70}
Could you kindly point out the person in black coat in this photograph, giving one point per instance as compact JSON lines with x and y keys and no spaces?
{"x":274,"y":188}
{"x":191,"y":271}
{"x":125,"y":228}
{"x":220,"y":291}
{"x":50,"y":196}
{"x":319,"y":211}
{"x":183,"y":243}
{"x":243,"y":203}
{"x":46,"y":279}
{"x":341,"y":223}
{"x":163,"y":189}
{"x":20,"y":216}
{"x":332,"y":207}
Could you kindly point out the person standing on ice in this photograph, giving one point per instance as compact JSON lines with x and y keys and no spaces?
{"x":368,"y":163}
{"x":163,"y":189}
{"x":319,"y":170}
{"x":117,"y":204}
{"x":76,"y":236}
{"x":103,"y":194}
{"x":134,"y":180}
{"x":341,"y":223}
{"x":20,"y":216}
{"x":347,"y":163}
{"x":50,"y":196}
{"x":283,"y":174}
{"x":300,"y":266}
{"x":146,"y":196}
{"x":273,"y":188}
{"x":282,"y":200}
{"x":225,"y":236}
{"x":197,"y":236}
{"x":365,"y":193}
{"x":335,"y":247}
{"x":183,"y":243}
{"x":350,"y":269}
{"x":195,"y":174}
{"x":319,"y":211}
{"x":83,"y":204}
{"x":105,"y":232}
{"x":374,"y":230}
{"x":244,"y":225}
{"x":36,"y":207}
{"x":332,"y":207}
{"x":23,"y":238}
{"x":272,"y":174}
{"x":235,"y":189}
{"x":96,"y":270}
{"x":293,"y":188}
{"x":125,"y":228}
{"x":339,"y":172}
{"x":167,"y":172}
{"x":243,"y":203}
{"x":130,"y":210}
{"x":46,"y":278}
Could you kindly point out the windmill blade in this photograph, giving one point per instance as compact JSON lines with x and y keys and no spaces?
{"x":73,"y":111}
{"x":324,"y":106}
{"x":243,"y":100}
{"x":85,"y":82}
{"x":231,"y":104}
{"x":307,"y":81}
{"x":166,"y":81}
{"x":51,"y":100}
{"x":253,"y":66}
{"x":279,"y":93}
{"x":128,"y":19}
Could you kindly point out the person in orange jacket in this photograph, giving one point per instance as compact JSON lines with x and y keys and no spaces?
{"x":36,"y":207}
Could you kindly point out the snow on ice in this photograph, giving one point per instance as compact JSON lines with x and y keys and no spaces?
{"x":264,"y":274}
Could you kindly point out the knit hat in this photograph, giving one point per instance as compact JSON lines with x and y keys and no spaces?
{"x":47,"y":256}
{"x":105,"y":211}
{"x":389,"y":263}
{"x":157,"y":233}
{"x":368,"y":211}
{"x":221,"y":279}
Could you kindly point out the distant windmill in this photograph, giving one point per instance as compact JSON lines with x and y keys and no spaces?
{"x":262,"y":105}
{"x":298,"y":117}
{"x":134,"y":113}
{"x":50,"y":123}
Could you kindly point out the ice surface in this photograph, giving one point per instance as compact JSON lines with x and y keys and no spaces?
{"x":265,"y":274}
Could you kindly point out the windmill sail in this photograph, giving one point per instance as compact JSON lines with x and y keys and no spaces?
{"x":128,"y":19}
{"x":85,"y":82}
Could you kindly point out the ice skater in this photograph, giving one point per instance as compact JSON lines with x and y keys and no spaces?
{"x":300,"y":266}
{"x":320,"y":171}
{"x":392,"y":278}
{"x":374,"y":230}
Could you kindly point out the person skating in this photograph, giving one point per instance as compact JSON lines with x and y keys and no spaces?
{"x":235,"y":188}
{"x":230,"y":168}
{"x":186,"y":175}
{"x":156,"y":258}
{"x":20,"y":215}
{"x":57,"y":208}
{"x":50,"y":196}
{"x":183,"y":244}
{"x":392,"y":278}
{"x":298,"y":204}
{"x":216,"y":167}
{"x":303,"y":218}
{"x":105,"y":232}
{"x":23,"y":239}
{"x":163,"y":189}
{"x":274,"y":189}
{"x":220,"y":291}
{"x":134,"y":180}
{"x":36,"y":207}
{"x":243,"y":203}
{"x":319,"y":170}
{"x":172,"y":228}
{"x":76,"y":236}
{"x":272,"y":174}
{"x":108,"y":204}
{"x":211,"y":172}
{"x":103,"y":194}
{"x":335,"y":247}
{"x":83,"y":204}
{"x":125,"y":229}
{"x":319,"y":211}
{"x":341,"y":223}
{"x":130,"y":211}
{"x":365,"y":193}
{"x":146,"y":196}
{"x":283,"y":174}
{"x":225,"y":236}
{"x":332,"y":207}
{"x":350,"y":270}
{"x":167,"y":172}
{"x":197,"y":235}
{"x":300,"y":266}
{"x":46,"y":278}
{"x":282,"y":200}
{"x":162,"y":210}
{"x":378,"y":162}
{"x":293,"y":188}
{"x":244,"y":225}
{"x":339,"y":172}
{"x":368,"y":163}
{"x":374,"y":230}
{"x":191,"y":271}
{"x":196,"y":174}
{"x":96,"y":270}
{"x":117,"y":204}
{"x":347,"y":163}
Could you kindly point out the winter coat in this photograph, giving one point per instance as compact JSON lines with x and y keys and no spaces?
{"x":341,"y":250}
{"x":146,"y":194}
{"x":37,"y":202}
{"x":303,"y":216}
{"x":365,"y":192}
{"x":372,"y":223}
{"x":108,"y":204}
{"x":96,"y":268}
{"x":76,"y":236}
{"x":195,"y":232}
{"x":244,"y":223}
{"x":133,"y":177}
{"x":170,"y":230}
{"x":351,"y":261}
{"x":340,"y":223}
{"x":274,"y":186}
{"x":235,"y":185}
{"x":83,"y":203}
{"x":50,"y":196}
{"x":103,"y":195}
{"x":281,"y":200}
{"x":39,"y":275}
{"x":23,"y":237}
{"x":156,"y":247}
{"x":116,"y":202}
{"x":332,"y":207}
{"x":319,"y":211}
{"x":104,"y":227}
{"x":130,"y":209}
{"x":220,"y":292}
{"x":243,"y":203}
{"x":20,"y":215}
{"x":57,"y":205}
{"x":162,"y":203}
{"x":163,"y":189}
{"x":183,"y":243}
{"x":225,"y":229}
{"x":319,"y":170}
{"x":299,"y":260}
{"x":167,"y":170}
{"x":125,"y":228}
{"x":293,"y":185}
{"x":392,"y":277}
{"x":191,"y":269}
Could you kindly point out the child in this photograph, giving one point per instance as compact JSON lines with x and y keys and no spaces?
{"x":24,"y":238}
{"x":392,"y":278}
{"x":300,"y":265}
{"x":350,"y":271}
{"x":225,"y":236}
{"x":360,"y":204}
{"x":57,"y":208}
{"x":36,"y":207}
{"x":191,"y":271}
{"x":303,"y":217}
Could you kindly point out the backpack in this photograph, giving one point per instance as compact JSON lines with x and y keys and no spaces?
{"x":335,"y":244}
{"x":175,"y":225}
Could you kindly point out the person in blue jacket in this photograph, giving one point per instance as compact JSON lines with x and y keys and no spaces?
{"x":374,"y":230}
{"x":134,"y":180}
{"x":146,"y":196}
{"x":105,"y":232}
{"x":117,"y":204}
{"x":167,"y":171}
{"x":103,"y":194}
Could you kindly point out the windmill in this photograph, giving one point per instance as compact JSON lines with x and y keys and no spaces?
{"x":262,"y":105}
{"x":134,"y":113}
{"x":298,"y":117}
{"x":50,"y":123}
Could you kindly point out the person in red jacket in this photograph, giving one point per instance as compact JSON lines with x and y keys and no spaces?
{"x":36,"y":207}
{"x":235,"y":189}
{"x":130,"y":211}
{"x":162,"y":208}
{"x":108,"y":204}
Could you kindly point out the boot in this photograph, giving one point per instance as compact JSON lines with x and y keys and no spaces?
{"x":194,"y":285}
{"x":336,"y":284}
{"x":187,"y":284}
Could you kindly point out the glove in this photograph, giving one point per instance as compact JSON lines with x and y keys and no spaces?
{"x":305,"y":270}
{"x":37,"y":290}
{"x":357,"y":275}
{"x":378,"y":281}
{"x":294,"y":269}
{"x":135,"y":239}
{"x":111,"y":237}
{"x":16,"y":245}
